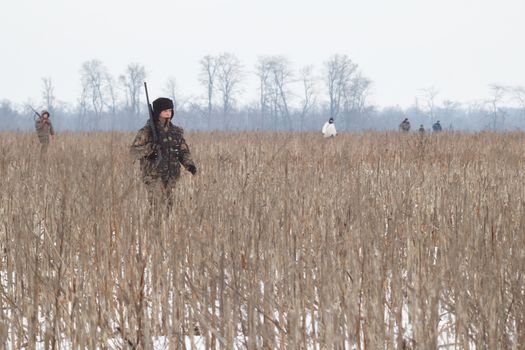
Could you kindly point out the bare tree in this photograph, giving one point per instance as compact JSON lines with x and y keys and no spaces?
{"x":356,"y":95}
{"x":207,"y":77}
{"x":449,"y":110}
{"x":171,"y":90}
{"x":275,"y":75}
{"x":449,"y":107}
{"x":48,"y":94}
{"x":112,"y":95}
{"x":339,"y":72}
{"x":282,"y":77}
{"x":95,"y":81}
{"x":229,"y":76}
{"x":83,"y":106}
{"x":263,"y":72}
{"x":496,"y":113}
{"x":348,"y":89}
{"x":429,"y":101}
{"x":518,"y":93}
{"x":309,"y":98}
{"x":132,"y":81}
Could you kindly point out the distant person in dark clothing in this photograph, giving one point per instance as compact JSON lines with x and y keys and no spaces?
{"x":161,"y":163}
{"x":404,"y":126}
{"x":436,"y":127}
{"x":44,"y":131}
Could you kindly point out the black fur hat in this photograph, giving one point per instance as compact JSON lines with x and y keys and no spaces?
{"x":161,"y":104}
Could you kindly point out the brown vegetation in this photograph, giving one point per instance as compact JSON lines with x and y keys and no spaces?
{"x":374,"y":240}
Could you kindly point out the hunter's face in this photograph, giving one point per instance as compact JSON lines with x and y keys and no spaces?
{"x":165,"y":114}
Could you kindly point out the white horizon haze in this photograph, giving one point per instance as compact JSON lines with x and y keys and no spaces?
{"x":458,"y":47}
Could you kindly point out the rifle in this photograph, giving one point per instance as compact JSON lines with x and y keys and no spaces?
{"x":154,"y":132}
{"x":38,"y":114}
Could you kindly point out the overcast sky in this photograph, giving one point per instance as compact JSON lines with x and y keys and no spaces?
{"x":457,"y":46}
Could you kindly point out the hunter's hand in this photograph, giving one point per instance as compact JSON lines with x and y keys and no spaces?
{"x":152,"y":156}
{"x":155,"y":152}
{"x":192,"y":169}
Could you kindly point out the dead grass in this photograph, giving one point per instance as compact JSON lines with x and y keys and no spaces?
{"x":372,"y":240}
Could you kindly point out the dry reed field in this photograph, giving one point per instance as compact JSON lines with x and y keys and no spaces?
{"x":282,"y":241}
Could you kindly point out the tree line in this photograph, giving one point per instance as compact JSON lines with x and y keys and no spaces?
{"x":287,"y":99}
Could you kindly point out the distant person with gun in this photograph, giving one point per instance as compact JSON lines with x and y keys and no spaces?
{"x":404,"y":126}
{"x":161,"y":149}
{"x":44,"y":130}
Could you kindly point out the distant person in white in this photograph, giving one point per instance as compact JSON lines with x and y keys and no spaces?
{"x":329,"y":128}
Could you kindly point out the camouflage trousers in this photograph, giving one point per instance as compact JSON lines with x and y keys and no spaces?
{"x":44,"y":145}
{"x":160,"y":194}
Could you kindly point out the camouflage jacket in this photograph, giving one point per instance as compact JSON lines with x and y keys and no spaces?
{"x":404,"y":126}
{"x":173,"y":148}
{"x":44,"y":129}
